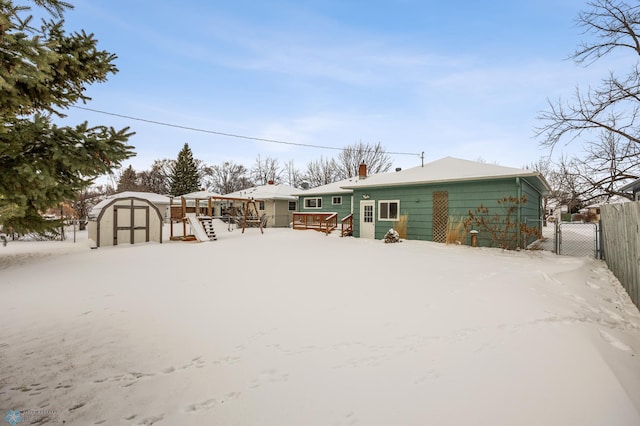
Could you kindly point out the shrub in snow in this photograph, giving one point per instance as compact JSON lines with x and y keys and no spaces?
{"x":392,"y":236}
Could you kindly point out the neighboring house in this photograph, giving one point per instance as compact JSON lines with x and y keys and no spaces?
{"x":275,"y":202}
{"x":634,"y":188}
{"x":328,"y":198}
{"x":591,"y":212}
{"x":447,"y":188}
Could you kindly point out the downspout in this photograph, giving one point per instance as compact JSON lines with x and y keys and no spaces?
{"x":519,"y":189}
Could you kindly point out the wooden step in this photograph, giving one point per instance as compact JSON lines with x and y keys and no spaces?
{"x":207,"y":224}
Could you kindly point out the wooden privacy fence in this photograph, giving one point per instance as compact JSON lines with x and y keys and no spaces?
{"x":621,"y":243}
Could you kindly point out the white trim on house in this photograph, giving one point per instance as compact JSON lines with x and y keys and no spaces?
{"x":336,"y":200}
{"x":367,"y":222}
{"x":388,"y":210}
{"x":317,"y":204}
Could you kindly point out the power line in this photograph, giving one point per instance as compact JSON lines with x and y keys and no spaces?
{"x":231,"y":135}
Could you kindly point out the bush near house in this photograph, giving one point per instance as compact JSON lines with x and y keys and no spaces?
{"x":457,"y":230}
{"x":503,"y":229}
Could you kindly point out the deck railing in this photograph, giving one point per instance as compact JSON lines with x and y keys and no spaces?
{"x":347,"y":225}
{"x":325,"y":222}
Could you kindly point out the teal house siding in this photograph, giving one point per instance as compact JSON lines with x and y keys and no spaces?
{"x":462,"y":195}
{"x":327,"y":193}
{"x":343,"y":209}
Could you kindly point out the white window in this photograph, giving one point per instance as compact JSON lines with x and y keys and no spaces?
{"x":292,"y":206}
{"x":336,"y":201}
{"x":261,"y":205}
{"x":313,"y":203}
{"x":388,"y":210}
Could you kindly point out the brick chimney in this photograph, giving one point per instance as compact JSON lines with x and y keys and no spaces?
{"x":362,"y":171}
{"x":270,"y":182}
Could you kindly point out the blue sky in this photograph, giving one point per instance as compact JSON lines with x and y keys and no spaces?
{"x":464,"y":79}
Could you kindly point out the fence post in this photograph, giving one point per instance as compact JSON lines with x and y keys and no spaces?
{"x":599,"y":239}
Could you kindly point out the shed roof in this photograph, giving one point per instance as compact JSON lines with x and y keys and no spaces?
{"x":149,"y":196}
{"x":266,"y":192}
{"x":447,"y":169}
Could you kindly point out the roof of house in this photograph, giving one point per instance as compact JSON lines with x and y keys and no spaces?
{"x":631,"y":186}
{"x":149,"y":196}
{"x":613,"y":200}
{"x":266,"y":192}
{"x":446,"y":169}
{"x":330,"y":188}
{"x":200,"y":195}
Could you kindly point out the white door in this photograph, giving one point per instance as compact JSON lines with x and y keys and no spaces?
{"x":367,"y":219}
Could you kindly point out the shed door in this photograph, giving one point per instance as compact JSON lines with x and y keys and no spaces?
{"x":440,"y":216}
{"x":367,"y":219}
{"x":130,"y":224}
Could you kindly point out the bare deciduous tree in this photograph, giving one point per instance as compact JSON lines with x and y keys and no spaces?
{"x":321,"y":172}
{"x":266,"y":170}
{"x":227,"y":177}
{"x":605,"y":118}
{"x":156,"y":179}
{"x":85,"y":200}
{"x":350,"y":158}
{"x":607,"y":162}
{"x":292,"y":176}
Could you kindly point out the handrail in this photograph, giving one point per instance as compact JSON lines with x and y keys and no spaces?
{"x":321,"y":221}
{"x":331,"y":220}
{"x":348,"y":220}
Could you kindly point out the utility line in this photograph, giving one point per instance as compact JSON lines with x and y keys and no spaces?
{"x":231,"y":135}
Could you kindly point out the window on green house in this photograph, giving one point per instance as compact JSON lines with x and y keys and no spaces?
{"x":388,"y":210}
{"x":313,"y":203}
{"x":336,"y":201}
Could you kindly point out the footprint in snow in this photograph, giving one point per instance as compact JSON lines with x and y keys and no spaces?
{"x":592,"y":285}
{"x":614,"y":341}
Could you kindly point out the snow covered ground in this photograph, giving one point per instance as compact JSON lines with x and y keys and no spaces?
{"x":297,"y":328}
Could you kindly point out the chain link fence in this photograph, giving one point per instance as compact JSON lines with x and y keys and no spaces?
{"x":578,"y":239}
{"x":569,"y":238}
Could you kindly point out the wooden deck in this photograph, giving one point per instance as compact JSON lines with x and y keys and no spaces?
{"x":325,"y":222}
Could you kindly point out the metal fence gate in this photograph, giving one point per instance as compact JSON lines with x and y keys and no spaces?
{"x":578,"y":239}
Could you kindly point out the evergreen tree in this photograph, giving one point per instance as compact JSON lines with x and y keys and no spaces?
{"x":185,"y":177}
{"x":43,"y":71}
{"x":128,"y":180}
